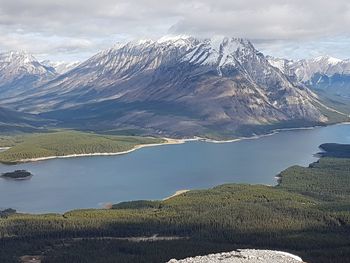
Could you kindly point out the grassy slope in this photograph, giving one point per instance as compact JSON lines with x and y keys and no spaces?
{"x":67,"y":142}
{"x":307,"y":214}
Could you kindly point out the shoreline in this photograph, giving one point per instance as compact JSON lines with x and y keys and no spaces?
{"x":108,"y":205}
{"x":273,"y":132}
{"x":168,"y":141}
{"x":137,"y":147}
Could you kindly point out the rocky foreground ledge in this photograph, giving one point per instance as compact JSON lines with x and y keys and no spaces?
{"x":243,"y":256}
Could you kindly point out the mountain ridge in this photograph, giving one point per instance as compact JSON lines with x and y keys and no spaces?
{"x":324,"y":74}
{"x":60,"y":67}
{"x":20,"y":71}
{"x":175,"y":86}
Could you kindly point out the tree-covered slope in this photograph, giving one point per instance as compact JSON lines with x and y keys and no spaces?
{"x":62,"y":143}
{"x":307,"y":214}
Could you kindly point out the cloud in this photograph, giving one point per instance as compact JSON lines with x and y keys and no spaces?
{"x":82,"y":27}
{"x":338,"y":47}
{"x":271,"y":19}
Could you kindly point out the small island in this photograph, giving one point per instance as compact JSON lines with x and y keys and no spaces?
{"x":17,"y":175}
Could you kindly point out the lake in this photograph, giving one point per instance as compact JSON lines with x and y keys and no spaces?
{"x":60,"y":185}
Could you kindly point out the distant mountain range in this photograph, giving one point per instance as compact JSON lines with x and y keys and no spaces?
{"x":322,"y":73}
{"x":20,"y":71}
{"x":60,"y":66}
{"x":181,"y":87}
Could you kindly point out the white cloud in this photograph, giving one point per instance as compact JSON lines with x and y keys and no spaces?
{"x":82,"y":27}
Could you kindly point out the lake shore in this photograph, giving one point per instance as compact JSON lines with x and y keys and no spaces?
{"x":273,"y":132}
{"x":169,"y":169}
{"x":168,"y":141}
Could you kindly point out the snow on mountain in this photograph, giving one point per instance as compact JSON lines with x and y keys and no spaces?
{"x":61,"y":67}
{"x":20,"y":62}
{"x":20,"y":71}
{"x":178,"y":86}
{"x":305,"y":69}
{"x":325,"y":74}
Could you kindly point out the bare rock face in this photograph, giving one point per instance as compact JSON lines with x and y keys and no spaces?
{"x":244,"y":256}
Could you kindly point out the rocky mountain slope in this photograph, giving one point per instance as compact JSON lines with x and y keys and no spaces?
{"x":20,"y":71}
{"x":323,"y":73}
{"x":13,"y":121}
{"x":177,"y":87}
{"x":243,"y":256}
{"x":182,"y":87}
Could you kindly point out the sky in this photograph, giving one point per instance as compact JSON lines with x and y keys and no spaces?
{"x":73,"y":30}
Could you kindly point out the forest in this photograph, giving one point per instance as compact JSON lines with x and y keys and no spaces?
{"x":307,"y":214}
{"x":17,"y":174}
{"x":60,"y":143}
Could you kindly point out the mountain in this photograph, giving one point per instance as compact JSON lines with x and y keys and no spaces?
{"x":20,"y":71}
{"x":177,"y":87}
{"x":60,"y":66}
{"x":13,"y":121}
{"x":323,"y":73}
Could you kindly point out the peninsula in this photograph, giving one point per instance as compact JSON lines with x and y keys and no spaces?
{"x":64,"y":144}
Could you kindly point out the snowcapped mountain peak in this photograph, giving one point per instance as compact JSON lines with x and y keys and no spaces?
{"x":305,"y":69}
{"x":22,"y":62}
{"x":169,"y":41}
{"x":226,"y":80}
{"x":22,"y":57}
{"x":141,"y":42}
{"x":231,"y":43}
{"x":20,"y":71}
{"x":60,"y":67}
{"x":172,"y":38}
{"x":220,"y":51}
{"x":215,"y":43}
{"x":147,"y":54}
{"x":176,"y":40}
{"x":137,"y":43}
{"x":328,"y":59}
{"x":117,"y":45}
